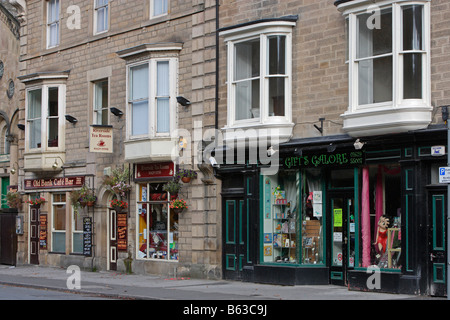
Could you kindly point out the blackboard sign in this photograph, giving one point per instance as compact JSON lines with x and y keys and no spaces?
{"x":87,"y":236}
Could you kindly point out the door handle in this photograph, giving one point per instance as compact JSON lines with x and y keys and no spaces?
{"x":432,"y":256}
{"x":345,"y":240}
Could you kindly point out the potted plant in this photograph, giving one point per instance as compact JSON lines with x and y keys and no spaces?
{"x":36,"y":203}
{"x":172,"y":187}
{"x":87,"y":196}
{"x":14,"y":200}
{"x":118,"y":205}
{"x":75,"y":196}
{"x":186,"y":175}
{"x":178,"y":205}
{"x":117,"y":182}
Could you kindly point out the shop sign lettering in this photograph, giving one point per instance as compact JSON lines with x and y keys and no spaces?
{"x":319,"y":160}
{"x":67,"y":182}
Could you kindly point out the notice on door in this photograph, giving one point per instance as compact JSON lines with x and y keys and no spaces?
{"x":337,"y":217}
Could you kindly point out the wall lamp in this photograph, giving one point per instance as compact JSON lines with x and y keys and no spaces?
{"x":13,"y":169}
{"x":71,"y":119}
{"x":116,"y":112}
{"x":183,"y":101}
{"x":331,"y":147}
{"x":56,"y":165}
{"x":21,"y":126}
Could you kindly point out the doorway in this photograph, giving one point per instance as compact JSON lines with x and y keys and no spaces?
{"x":342,"y":235}
{"x":112,"y":240}
{"x":34,"y":235}
{"x":437,"y":266}
{"x":8,"y":238}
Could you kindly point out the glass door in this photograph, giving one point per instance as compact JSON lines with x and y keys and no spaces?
{"x":342,"y":255}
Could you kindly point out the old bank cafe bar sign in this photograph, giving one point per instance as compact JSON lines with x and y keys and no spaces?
{"x":66,"y":182}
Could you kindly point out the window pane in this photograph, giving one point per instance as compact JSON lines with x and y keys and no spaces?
{"x":59,"y":217}
{"x":412,"y":75}
{"x":162,"y":85}
{"x":140,"y":117}
{"x":374,"y":39}
{"x":247,"y":99}
{"x":53,"y":102}
{"x":247,"y":60}
{"x":159,"y":7}
{"x":54,"y":35}
{"x":139,"y":82}
{"x":277,"y":55}
{"x":77,"y":243}
{"x":375,"y":80}
{"x":101,"y":102}
{"x":158,"y":237}
{"x":59,"y":241}
{"x":276,"y":96}
{"x":53,"y":117}
{"x":163,"y":115}
{"x":34,"y":118}
{"x":412,"y":27}
{"x":35,"y":133}
{"x":102,"y":19}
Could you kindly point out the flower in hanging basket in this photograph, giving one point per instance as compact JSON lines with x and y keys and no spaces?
{"x":178,"y":205}
{"x":121,"y":188}
{"x":36,"y":202}
{"x":185,"y":175}
{"x":118,"y":205}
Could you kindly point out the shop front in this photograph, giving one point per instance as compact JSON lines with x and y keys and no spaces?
{"x":369,"y":216}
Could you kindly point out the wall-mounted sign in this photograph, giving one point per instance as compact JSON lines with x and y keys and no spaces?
{"x":122,"y":231}
{"x":87,"y":236}
{"x":101,"y":139}
{"x":438,"y":151}
{"x":325,"y":159}
{"x":66,"y":182}
{"x":43,"y":231}
{"x":154,"y":170}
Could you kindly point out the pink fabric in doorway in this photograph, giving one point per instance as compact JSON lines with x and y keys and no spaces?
{"x":365,"y":218}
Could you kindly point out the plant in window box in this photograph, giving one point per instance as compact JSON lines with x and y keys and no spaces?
{"x":14,"y":200}
{"x":118,"y":205}
{"x":178,"y":205}
{"x":185,"y":175}
{"x":37,"y":202}
{"x":173,"y":187}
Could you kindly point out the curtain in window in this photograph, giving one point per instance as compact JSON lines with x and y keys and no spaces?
{"x":139,"y":99}
{"x":162,"y":97}
{"x":159,"y":7}
{"x":34,"y":118}
{"x":53,"y":23}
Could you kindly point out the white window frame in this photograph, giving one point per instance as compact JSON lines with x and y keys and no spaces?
{"x":152,"y":9}
{"x":152,"y":111}
{"x":79,"y":232}
{"x":51,"y":23}
{"x":262,"y":31}
{"x":397,"y":57}
{"x":44,"y":118}
{"x":96,"y":12}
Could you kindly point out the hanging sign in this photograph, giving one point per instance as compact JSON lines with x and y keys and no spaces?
{"x":154,"y":170}
{"x":325,"y":159}
{"x":101,"y":139}
{"x":444,"y":175}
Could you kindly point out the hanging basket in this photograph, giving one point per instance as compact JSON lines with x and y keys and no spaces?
{"x":90,"y":203}
{"x":186,"y":179}
{"x":177,"y":210}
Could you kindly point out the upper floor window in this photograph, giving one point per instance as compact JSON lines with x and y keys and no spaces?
{"x":151,"y":97}
{"x":101,"y":16}
{"x":260,"y":73}
{"x":45,"y":111}
{"x":388,"y":52}
{"x":101,"y":102}
{"x":158,"y":7}
{"x":53,"y":23}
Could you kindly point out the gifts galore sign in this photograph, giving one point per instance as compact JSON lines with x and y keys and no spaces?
{"x":66,"y":182}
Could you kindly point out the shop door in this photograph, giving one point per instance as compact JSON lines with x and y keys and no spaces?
{"x":235,"y":238}
{"x":437,"y":244}
{"x":112,"y":241}
{"x":342,"y":251}
{"x":34,"y":235}
{"x":8,"y":238}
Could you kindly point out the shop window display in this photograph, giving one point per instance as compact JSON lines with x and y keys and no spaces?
{"x":292,"y":220}
{"x":380,"y":239}
{"x":157,"y":223}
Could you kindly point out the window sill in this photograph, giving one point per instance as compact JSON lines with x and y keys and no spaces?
{"x":151,"y":149}
{"x":38,"y":160}
{"x":412,"y":115}
{"x":270,"y":130}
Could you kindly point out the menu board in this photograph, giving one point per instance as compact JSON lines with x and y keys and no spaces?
{"x":43,"y":231}
{"x":87,"y":236}
{"x":122,"y":231}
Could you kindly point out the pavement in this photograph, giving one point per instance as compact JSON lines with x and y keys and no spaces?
{"x":152,"y":287}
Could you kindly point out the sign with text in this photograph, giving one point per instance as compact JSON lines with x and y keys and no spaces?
{"x":122,"y":231}
{"x":325,"y":159}
{"x":101,"y":139}
{"x":66,"y":182}
{"x":444,"y":175}
{"x":43,"y":231}
{"x":87,"y":236}
{"x":154,"y":170}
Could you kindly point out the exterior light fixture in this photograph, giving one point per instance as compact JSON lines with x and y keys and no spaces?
{"x":71,"y":119}
{"x":183,"y":101}
{"x":116,"y":112}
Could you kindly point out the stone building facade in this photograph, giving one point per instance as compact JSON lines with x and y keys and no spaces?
{"x":95,"y":63}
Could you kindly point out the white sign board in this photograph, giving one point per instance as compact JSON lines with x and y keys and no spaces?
{"x":444,"y":175}
{"x":101,"y":139}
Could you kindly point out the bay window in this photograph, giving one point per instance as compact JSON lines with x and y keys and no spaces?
{"x":389,"y":73}
{"x":260,"y":76}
